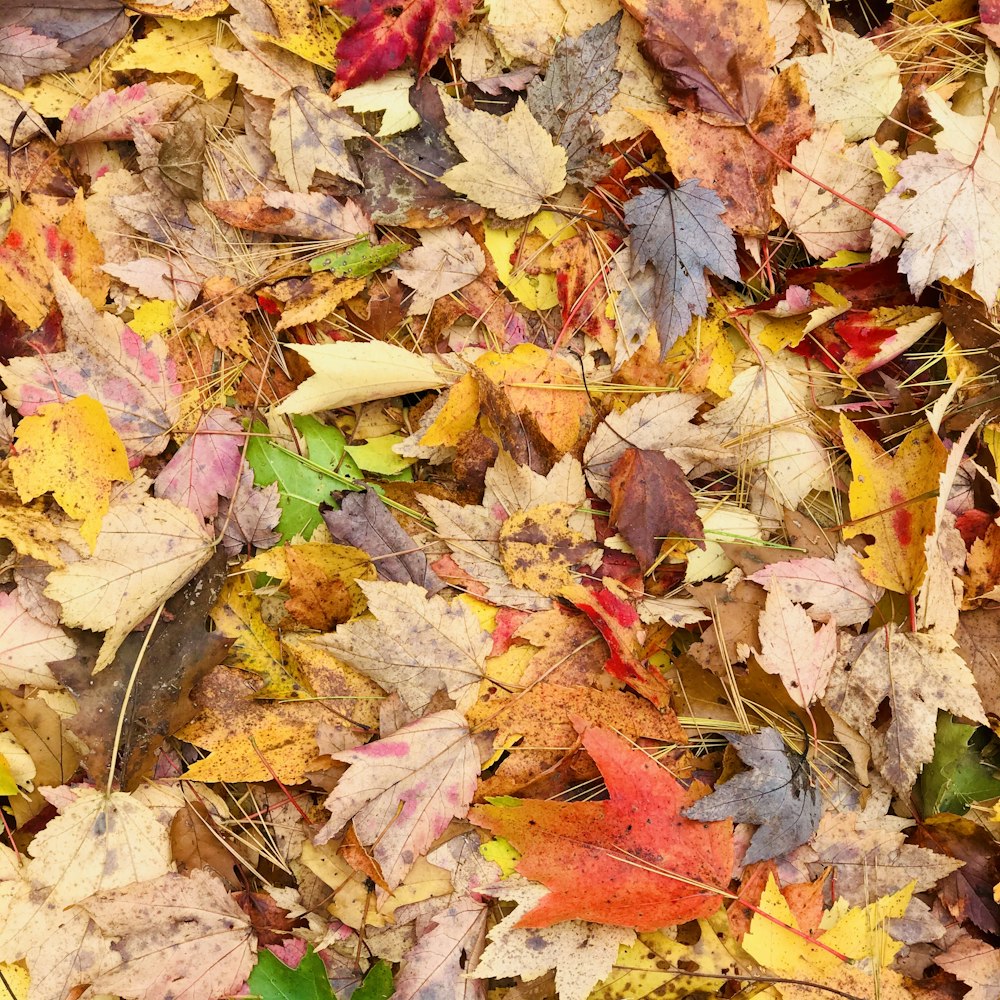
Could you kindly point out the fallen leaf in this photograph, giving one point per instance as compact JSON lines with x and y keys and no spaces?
{"x":115,"y":115}
{"x":582,"y":851}
{"x":28,"y":646}
{"x":445,"y":261}
{"x":919,"y":673}
{"x":146,"y":551}
{"x":778,"y":793}
{"x":974,"y":963}
{"x":511,"y":165}
{"x":430,"y":766}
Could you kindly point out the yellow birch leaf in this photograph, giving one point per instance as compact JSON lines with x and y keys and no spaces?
{"x":15,"y":982}
{"x":154,"y":316}
{"x":71,"y":451}
{"x":24,"y":268}
{"x":892,"y":498}
{"x":180,"y":47}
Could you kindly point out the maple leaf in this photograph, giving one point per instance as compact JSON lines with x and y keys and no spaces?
{"x":385,"y":34}
{"x":115,"y":115}
{"x":778,"y":793}
{"x":680,"y":233}
{"x":28,"y":646}
{"x":430,"y":765}
{"x":584,"y":851}
{"x":174,"y":935}
{"x":580,"y":953}
{"x":418,"y":644}
{"x":919,"y":673}
{"x":892,"y":499}
{"x":307,"y":134}
{"x":511,"y":165}
{"x":146,"y":551}
{"x":445,"y":261}
{"x":206,"y":466}
{"x":833,"y":588}
{"x":789,"y":647}
{"x":249,"y":515}
{"x":974,"y":963}
{"x":579,"y":84}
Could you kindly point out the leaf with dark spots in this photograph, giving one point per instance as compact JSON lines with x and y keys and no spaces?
{"x":400,"y":177}
{"x":777,"y":793}
{"x":651,"y":500}
{"x":365,"y":522}
{"x":388,"y":32}
{"x":179,"y":653}
{"x":579,"y":84}
{"x":682,"y":235}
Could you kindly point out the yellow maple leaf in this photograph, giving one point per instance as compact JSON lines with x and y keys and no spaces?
{"x":892,"y":498}
{"x":71,"y":451}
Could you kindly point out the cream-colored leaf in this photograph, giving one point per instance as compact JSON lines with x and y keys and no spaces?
{"x":307,"y":134}
{"x":512,"y":165}
{"x":28,"y":646}
{"x":793,"y":649}
{"x":853,"y":83}
{"x":389,"y":94}
{"x":146,"y":551}
{"x":824,"y":221}
{"x":416,"y":645}
{"x":445,"y":261}
{"x":348,"y":373}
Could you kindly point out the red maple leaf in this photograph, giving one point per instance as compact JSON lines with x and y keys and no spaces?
{"x":632,"y":860}
{"x":387,"y":32}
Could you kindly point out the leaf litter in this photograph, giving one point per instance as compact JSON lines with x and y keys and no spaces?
{"x":498,"y":501}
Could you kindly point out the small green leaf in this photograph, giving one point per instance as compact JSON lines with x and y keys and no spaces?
{"x":377,"y":456}
{"x":377,"y":983}
{"x":304,"y":482}
{"x":271,"y":979}
{"x":958,"y":775}
{"x":359,"y":260}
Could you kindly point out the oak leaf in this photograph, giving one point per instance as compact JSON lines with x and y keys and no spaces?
{"x":584,"y":851}
{"x":430,"y":765}
{"x":511,"y":165}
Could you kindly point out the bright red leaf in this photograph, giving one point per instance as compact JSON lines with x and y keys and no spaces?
{"x":633,"y":860}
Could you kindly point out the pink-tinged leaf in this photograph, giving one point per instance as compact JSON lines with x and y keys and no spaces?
{"x":134,"y":380}
{"x":792,"y":648}
{"x":28,"y":646}
{"x":833,"y":588}
{"x":206,"y":466}
{"x":249,"y":515}
{"x":114,"y":114}
{"x":24,"y":54}
{"x":386,"y":33}
{"x":435,"y":967}
{"x":429,"y":766}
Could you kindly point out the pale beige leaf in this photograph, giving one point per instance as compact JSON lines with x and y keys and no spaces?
{"x":824,"y":221}
{"x":919,"y":674}
{"x":512,"y":165}
{"x":28,"y":646}
{"x":446,"y":260}
{"x":307,"y":134}
{"x":416,"y":645}
{"x":853,"y":83}
{"x":146,"y":551}
{"x":976,"y":964}
{"x":389,"y":94}
{"x":793,"y":649}
{"x":175,"y":937}
{"x":348,"y":373}
{"x":97,"y":842}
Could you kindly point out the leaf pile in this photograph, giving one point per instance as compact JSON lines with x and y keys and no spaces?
{"x":499,"y":500}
